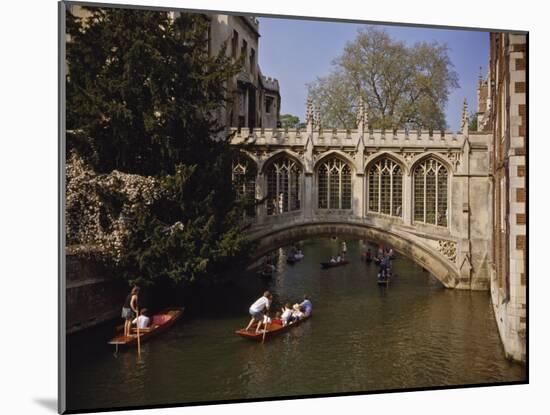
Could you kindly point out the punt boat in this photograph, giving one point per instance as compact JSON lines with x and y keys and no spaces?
{"x":325,"y":265}
{"x":272,"y":330}
{"x":160,"y":322}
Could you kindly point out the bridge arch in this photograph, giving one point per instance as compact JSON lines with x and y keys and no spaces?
{"x":338,"y":154}
{"x":430,"y":154}
{"x":387,"y":154}
{"x":278,"y":154}
{"x":421,"y":254}
{"x":248,"y":154}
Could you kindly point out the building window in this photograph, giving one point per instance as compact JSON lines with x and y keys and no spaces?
{"x":385,"y":181}
{"x":268,"y":104}
{"x":430,"y":193}
{"x":334,"y":181}
{"x":283,"y":186}
{"x":252,"y":61}
{"x":244,"y":51}
{"x":244,"y":182}
{"x":502,"y":205}
{"x":234,"y":44}
{"x":242,"y":102}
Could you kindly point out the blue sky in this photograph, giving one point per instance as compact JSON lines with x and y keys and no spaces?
{"x":298,"y":51}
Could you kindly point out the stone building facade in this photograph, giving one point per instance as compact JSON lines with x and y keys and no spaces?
{"x":254,"y":100}
{"x":503,"y":110}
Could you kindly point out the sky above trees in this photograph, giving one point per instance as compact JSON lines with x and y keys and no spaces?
{"x":296,"y":52}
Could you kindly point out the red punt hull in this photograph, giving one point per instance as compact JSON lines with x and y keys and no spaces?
{"x":160,"y":322}
{"x":273,"y":329}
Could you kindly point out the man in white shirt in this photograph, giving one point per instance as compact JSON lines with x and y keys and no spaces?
{"x":142,"y":321}
{"x":256,"y":310}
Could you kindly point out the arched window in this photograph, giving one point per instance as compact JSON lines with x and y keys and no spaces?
{"x":430,"y":193}
{"x":385,"y":180}
{"x":334,"y":181}
{"x":283,"y":186}
{"x":244,"y":180}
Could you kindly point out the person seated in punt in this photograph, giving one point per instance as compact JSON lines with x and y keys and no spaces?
{"x":339,"y":258}
{"x":332,"y":260}
{"x":287,"y":314}
{"x":256,"y":310}
{"x":297,"y":313}
{"x":306,"y":306}
{"x":142,"y":321}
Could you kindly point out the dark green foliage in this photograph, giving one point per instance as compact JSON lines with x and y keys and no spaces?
{"x":472,"y":126}
{"x":142,"y":94}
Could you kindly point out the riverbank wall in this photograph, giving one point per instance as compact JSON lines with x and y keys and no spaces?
{"x":93,"y":295}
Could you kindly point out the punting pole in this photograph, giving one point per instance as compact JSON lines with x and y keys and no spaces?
{"x":137,"y":325}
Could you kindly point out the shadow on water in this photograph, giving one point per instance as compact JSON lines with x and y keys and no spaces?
{"x":362,"y":337}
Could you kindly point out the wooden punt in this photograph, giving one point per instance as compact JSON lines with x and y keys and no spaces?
{"x":292,"y":259}
{"x":160,"y":322}
{"x":334,"y":264}
{"x":273,"y":329}
{"x":265,"y":273}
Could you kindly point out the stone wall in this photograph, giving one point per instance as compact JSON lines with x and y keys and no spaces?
{"x":508,"y":282}
{"x":93,"y":296}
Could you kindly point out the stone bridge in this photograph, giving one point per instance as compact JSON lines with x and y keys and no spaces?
{"x":426,"y":194}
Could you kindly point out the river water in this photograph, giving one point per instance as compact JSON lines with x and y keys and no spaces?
{"x":362,"y":337}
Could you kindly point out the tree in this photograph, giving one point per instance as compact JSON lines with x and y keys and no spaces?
{"x":148,"y":179}
{"x":289,"y":121}
{"x":472,"y":126}
{"x":399,"y":84}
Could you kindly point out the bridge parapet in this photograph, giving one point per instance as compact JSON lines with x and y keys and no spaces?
{"x":348,"y":138}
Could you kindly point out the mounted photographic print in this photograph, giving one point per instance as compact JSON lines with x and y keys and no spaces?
{"x":278,"y":207}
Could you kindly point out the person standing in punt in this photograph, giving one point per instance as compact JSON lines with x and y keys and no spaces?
{"x":257,"y":309}
{"x":129,"y":308}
